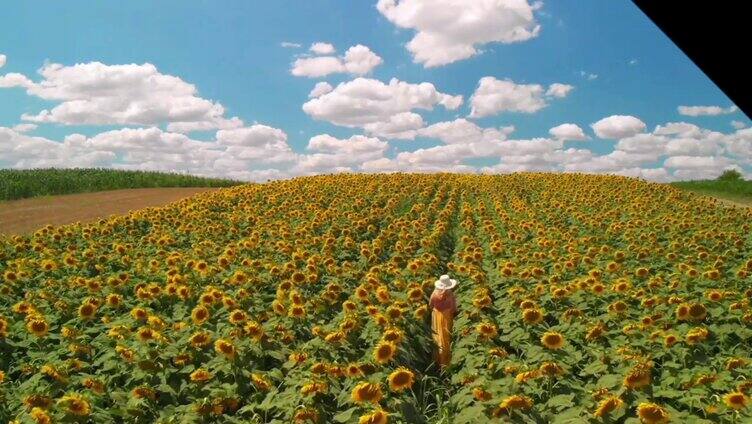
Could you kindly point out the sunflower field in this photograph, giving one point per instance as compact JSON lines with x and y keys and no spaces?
{"x":582,"y":299}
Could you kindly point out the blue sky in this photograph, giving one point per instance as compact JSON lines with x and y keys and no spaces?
{"x":617,"y":62}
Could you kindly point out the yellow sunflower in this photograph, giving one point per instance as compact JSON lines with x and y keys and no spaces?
{"x":650,"y":413}
{"x":376,"y":417}
{"x":384,"y":352}
{"x":552,"y":340}
{"x":366,"y":392}
{"x":736,"y":400}
{"x":401,"y":379}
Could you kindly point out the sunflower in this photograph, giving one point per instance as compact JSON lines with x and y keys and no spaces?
{"x":608,"y":405}
{"x":201,"y":375}
{"x":200,"y":314}
{"x":650,"y":413}
{"x":384,"y":352}
{"x":481,"y":394}
{"x":670,"y":340}
{"x":366,"y":392}
{"x":40,"y":416}
{"x":376,"y":417}
{"x":736,"y":400}
{"x":353,"y":370}
{"x":37,"y":326}
{"x":144,"y":392}
{"x":314,"y":388}
{"x":637,"y":378}
{"x":513,"y":402}
{"x":260,"y":382}
{"x":200,"y":339}
{"x":393,"y":335}
{"x":238,"y":317}
{"x":304,"y":415}
{"x":401,"y":379}
{"x":532,"y":315}
{"x":75,"y":404}
{"x":552,"y":340}
{"x":551,"y":369}
{"x":486,"y":330}
{"x":297,"y":311}
{"x":733,"y":363}
{"x":696,"y":335}
{"x":225,"y":348}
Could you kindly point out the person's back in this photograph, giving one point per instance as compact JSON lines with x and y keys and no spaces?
{"x":443,"y":300}
{"x":444,"y":304}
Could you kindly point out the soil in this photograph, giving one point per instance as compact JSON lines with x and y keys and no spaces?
{"x":28,"y":215}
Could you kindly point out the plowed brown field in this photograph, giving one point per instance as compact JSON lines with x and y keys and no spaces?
{"x":27,"y":215}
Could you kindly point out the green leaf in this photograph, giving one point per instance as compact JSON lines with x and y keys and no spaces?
{"x":345,"y":416}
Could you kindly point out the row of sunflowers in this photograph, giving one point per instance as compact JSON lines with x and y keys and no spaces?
{"x":582,"y":299}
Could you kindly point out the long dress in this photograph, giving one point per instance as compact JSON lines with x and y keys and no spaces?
{"x":444,"y":307}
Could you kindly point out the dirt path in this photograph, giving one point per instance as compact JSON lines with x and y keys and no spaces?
{"x":27,"y":215}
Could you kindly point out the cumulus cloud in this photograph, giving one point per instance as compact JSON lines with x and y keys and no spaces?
{"x":322,"y":48}
{"x":738,"y":124}
{"x":706,"y":110}
{"x":404,"y":125}
{"x":358,"y":60}
{"x":493,"y":96}
{"x":462,"y":131}
{"x":568,"y":132}
{"x":452,"y":30}
{"x":22,"y":128}
{"x":380,"y":107}
{"x":618,"y":126}
{"x":98,"y":94}
{"x":250,"y":153}
{"x":559,"y":90}
{"x":332,"y":154}
{"x":14,"y":79}
{"x":3,"y":59}
{"x":320,"y":89}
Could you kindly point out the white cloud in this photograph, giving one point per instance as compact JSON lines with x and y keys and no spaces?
{"x":336,"y":155}
{"x":98,"y":94}
{"x":739,"y":145}
{"x":23,"y":128}
{"x":559,"y":90}
{"x":322,"y":48}
{"x":705,"y":110}
{"x":14,"y":79}
{"x":738,"y":124}
{"x":682,"y":129}
{"x":618,"y":126}
{"x":290,"y":45}
{"x":365,"y":101}
{"x":3,"y":59}
{"x":494,"y":96}
{"x":400,"y":126}
{"x":462,"y":131}
{"x":316,"y":67}
{"x":452,"y":30}
{"x":633,"y":62}
{"x":358,"y":60}
{"x":588,"y":75}
{"x":320,"y":89}
{"x":568,"y":132}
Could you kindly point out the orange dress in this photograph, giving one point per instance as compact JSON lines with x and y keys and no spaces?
{"x":444,"y":306}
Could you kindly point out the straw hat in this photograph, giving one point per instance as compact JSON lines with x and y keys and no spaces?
{"x":445,"y":283}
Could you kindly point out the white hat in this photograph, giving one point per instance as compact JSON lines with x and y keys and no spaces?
{"x":445,"y":283}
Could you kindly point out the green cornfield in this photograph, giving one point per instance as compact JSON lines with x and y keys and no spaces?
{"x":19,"y":184}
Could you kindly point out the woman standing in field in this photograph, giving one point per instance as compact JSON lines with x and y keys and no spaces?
{"x":444,"y":305}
